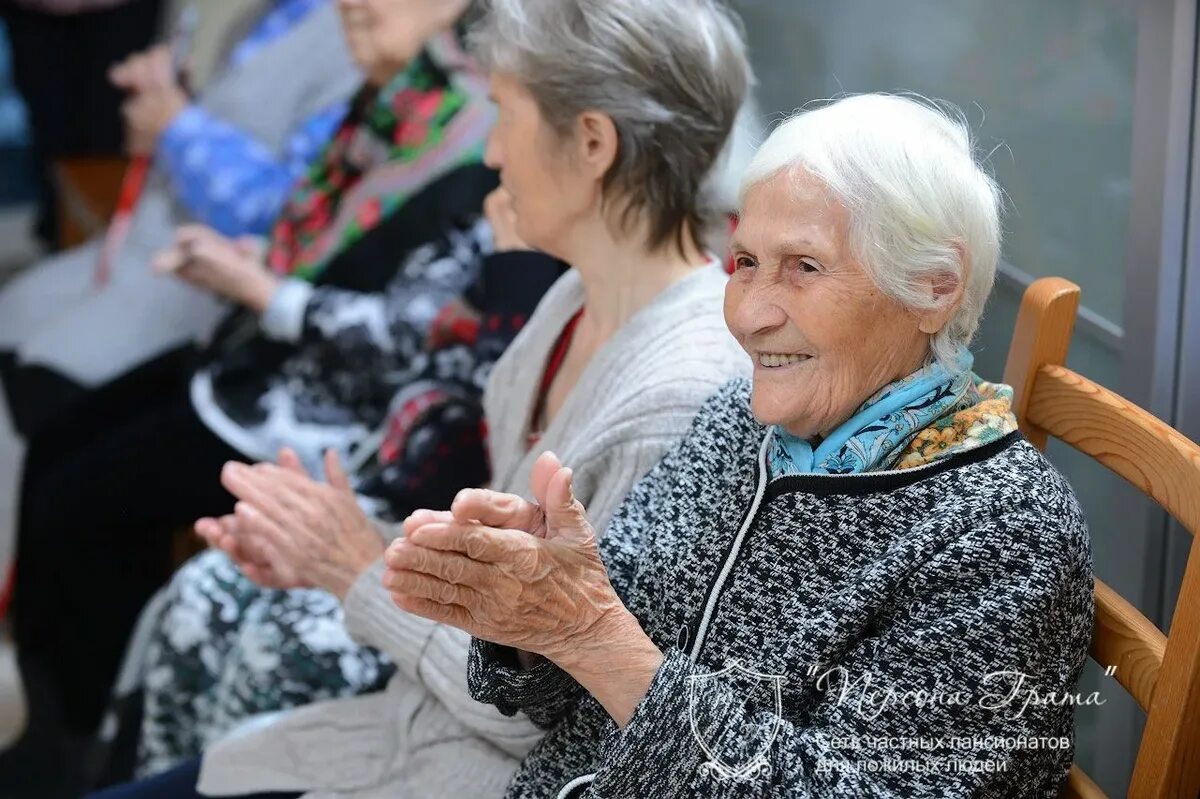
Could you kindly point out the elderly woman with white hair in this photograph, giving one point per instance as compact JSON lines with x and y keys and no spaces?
{"x":853,"y":577}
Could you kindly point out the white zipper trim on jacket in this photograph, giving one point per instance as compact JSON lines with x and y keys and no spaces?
{"x":731,"y":559}
{"x":586,"y":779}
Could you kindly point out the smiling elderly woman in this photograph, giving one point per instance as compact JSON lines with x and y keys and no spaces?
{"x":850,"y":577}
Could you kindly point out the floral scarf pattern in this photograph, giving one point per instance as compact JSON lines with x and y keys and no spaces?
{"x":429,"y":120}
{"x":933,"y":413}
{"x":987,"y":417}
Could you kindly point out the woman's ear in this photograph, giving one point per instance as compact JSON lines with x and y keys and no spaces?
{"x":946,"y":291}
{"x":597,"y":143}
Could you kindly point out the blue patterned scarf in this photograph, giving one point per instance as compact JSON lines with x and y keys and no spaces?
{"x":882,"y":427}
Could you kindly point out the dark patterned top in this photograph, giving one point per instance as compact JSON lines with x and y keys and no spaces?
{"x":435,"y":440}
{"x":372,"y":365}
{"x":827,"y":635}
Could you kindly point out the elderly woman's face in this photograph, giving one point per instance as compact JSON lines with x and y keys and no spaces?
{"x":822,"y":337}
{"x":384,"y":35}
{"x":551,"y":193}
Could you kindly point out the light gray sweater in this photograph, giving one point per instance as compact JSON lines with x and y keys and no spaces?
{"x":425,"y":736}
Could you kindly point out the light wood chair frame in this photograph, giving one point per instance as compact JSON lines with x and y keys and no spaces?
{"x":1161,"y":672}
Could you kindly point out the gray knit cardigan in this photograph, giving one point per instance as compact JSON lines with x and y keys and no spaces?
{"x":827,"y":636}
{"x":426,"y":737}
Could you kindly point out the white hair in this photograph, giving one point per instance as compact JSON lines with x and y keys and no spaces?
{"x":920,"y":204}
{"x":724,"y":181}
{"x":719,"y":192}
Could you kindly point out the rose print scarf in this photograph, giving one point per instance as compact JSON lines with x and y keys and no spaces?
{"x":429,"y":120}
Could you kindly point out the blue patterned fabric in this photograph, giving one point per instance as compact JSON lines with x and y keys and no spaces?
{"x":282,"y":18}
{"x":882,"y":426}
{"x":224,"y":177}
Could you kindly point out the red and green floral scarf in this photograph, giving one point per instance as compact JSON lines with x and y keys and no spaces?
{"x":428,"y":121}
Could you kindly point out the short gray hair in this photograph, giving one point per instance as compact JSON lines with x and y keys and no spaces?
{"x":920,"y":201}
{"x":670,"y":73}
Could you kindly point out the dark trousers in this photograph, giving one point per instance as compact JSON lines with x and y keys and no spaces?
{"x":34,"y":394}
{"x":179,"y":783}
{"x":105,"y":484}
{"x":60,"y":66}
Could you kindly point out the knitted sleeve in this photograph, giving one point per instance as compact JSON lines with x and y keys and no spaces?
{"x":901,"y":714}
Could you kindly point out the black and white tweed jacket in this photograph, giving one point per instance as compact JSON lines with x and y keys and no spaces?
{"x":913,"y":633}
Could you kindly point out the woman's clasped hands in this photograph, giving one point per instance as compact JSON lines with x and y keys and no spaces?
{"x":291,"y":531}
{"x":528,"y":575}
{"x":518,"y":573}
{"x":231,"y":268}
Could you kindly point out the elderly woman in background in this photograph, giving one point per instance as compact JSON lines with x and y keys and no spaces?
{"x":227,"y":157}
{"x":856,"y":547}
{"x":204,"y":667}
{"x":603,"y":151}
{"x":330,"y":322}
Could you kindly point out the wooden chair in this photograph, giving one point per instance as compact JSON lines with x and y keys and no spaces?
{"x":1162,"y":673}
{"x":87,"y":196}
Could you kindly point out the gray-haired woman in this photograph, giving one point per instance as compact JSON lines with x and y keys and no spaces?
{"x":852,"y":578}
{"x":612,"y":114}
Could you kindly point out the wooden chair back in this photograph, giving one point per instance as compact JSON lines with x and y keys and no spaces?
{"x":1161,"y":672}
{"x":88,"y":189}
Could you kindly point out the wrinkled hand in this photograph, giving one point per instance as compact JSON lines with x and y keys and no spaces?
{"x":155,"y":97}
{"x":510,"y":571}
{"x":246,"y":537}
{"x":236,"y":536}
{"x":144,"y":71}
{"x":147,"y":115}
{"x":502,"y":216}
{"x":233,"y":269}
{"x":288,"y":530}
